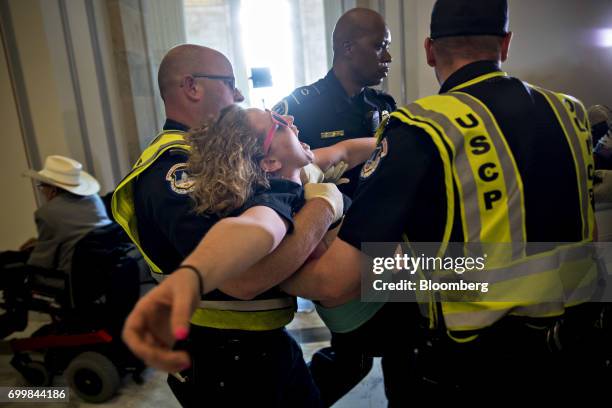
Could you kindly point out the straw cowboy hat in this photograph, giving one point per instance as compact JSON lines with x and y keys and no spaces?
{"x":66,"y":174}
{"x":599,"y":114}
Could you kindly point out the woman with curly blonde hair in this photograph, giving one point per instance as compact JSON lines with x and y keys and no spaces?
{"x":245,"y":167}
{"x":225,"y":162}
{"x":247,"y":152}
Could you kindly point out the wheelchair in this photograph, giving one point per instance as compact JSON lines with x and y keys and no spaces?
{"x":87,"y":308}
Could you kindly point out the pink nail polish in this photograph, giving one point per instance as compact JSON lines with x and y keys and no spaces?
{"x":181,"y":333}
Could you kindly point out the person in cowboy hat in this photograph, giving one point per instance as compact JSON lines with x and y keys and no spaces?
{"x":72,"y":208}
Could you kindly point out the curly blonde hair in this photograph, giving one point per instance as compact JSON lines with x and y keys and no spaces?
{"x":224,"y":162}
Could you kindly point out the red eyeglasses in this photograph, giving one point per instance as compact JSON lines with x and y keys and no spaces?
{"x":277,"y":120}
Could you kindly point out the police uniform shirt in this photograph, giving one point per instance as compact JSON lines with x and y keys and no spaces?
{"x":326,"y":115}
{"x":402,"y":189}
{"x":168,"y":227}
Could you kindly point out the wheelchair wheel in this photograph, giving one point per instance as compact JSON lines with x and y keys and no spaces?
{"x":93,"y":377}
{"x":36,"y":374}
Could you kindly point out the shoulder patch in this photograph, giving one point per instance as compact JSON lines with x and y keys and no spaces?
{"x":303,"y":93}
{"x":179,"y":179}
{"x":371,"y":165}
{"x":282,"y":107}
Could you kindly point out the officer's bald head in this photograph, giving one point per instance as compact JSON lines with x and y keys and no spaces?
{"x":355,"y":24}
{"x":187,"y":59}
{"x":192,"y":99}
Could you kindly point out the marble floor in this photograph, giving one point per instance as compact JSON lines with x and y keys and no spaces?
{"x":307,"y":328}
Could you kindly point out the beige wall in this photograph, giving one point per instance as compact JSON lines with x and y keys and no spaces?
{"x":40,"y":82}
{"x":18,"y":203}
{"x":85,"y":73}
{"x":554,"y":46}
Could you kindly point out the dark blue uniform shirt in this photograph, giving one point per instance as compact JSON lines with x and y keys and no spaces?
{"x":168,"y":227}
{"x":326,"y":115}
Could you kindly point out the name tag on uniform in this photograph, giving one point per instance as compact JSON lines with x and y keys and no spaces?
{"x":334,"y":133}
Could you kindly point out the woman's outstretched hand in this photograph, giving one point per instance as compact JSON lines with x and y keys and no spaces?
{"x":161,"y":318}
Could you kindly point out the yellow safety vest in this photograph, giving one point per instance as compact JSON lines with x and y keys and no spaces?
{"x":491,"y":199}
{"x":253,"y":315}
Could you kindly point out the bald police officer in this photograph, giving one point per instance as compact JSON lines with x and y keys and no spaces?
{"x":153,"y":205}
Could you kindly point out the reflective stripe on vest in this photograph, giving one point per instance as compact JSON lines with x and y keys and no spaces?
{"x":541,"y":285}
{"x":479,"y":79}
{"x":254,"y":315}
{"x":123,"y":197}
{"x":266,"y":314}
{"x":571,"y":116}
{"x":482,"y":160}
{"x":249,"y":305}
{"x":251,"y":321}
{"x":492,"y":210}
{"x":402,"y":115}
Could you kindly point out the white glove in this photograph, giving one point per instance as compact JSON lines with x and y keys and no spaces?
{"x":603,"y":189}
{"x":328,"y":192}
{"x":334,"y":174}
{"x":311,"y":173}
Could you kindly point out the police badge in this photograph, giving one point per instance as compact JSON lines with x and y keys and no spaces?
{"x":371,"y":165}
{"x":179,"y":179}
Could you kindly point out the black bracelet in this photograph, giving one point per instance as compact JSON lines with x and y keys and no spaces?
{"x":197,"y":272}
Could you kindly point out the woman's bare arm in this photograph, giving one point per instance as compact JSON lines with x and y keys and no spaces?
{"x":235,"y":244}
{"x":353,"y":152}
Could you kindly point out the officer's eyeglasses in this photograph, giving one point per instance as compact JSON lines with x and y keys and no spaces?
{"x":277,"y":120}
{"x":229,"y":81}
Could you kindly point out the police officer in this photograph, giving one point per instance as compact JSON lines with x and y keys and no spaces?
{"x":474,"y":166}
{"x":338,"y":107}
{"x":153,"y":205}
{"x":342,"y":106}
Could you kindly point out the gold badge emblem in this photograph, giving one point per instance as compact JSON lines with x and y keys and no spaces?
{"x":179,"y":179}
{"x":371,"y":165}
